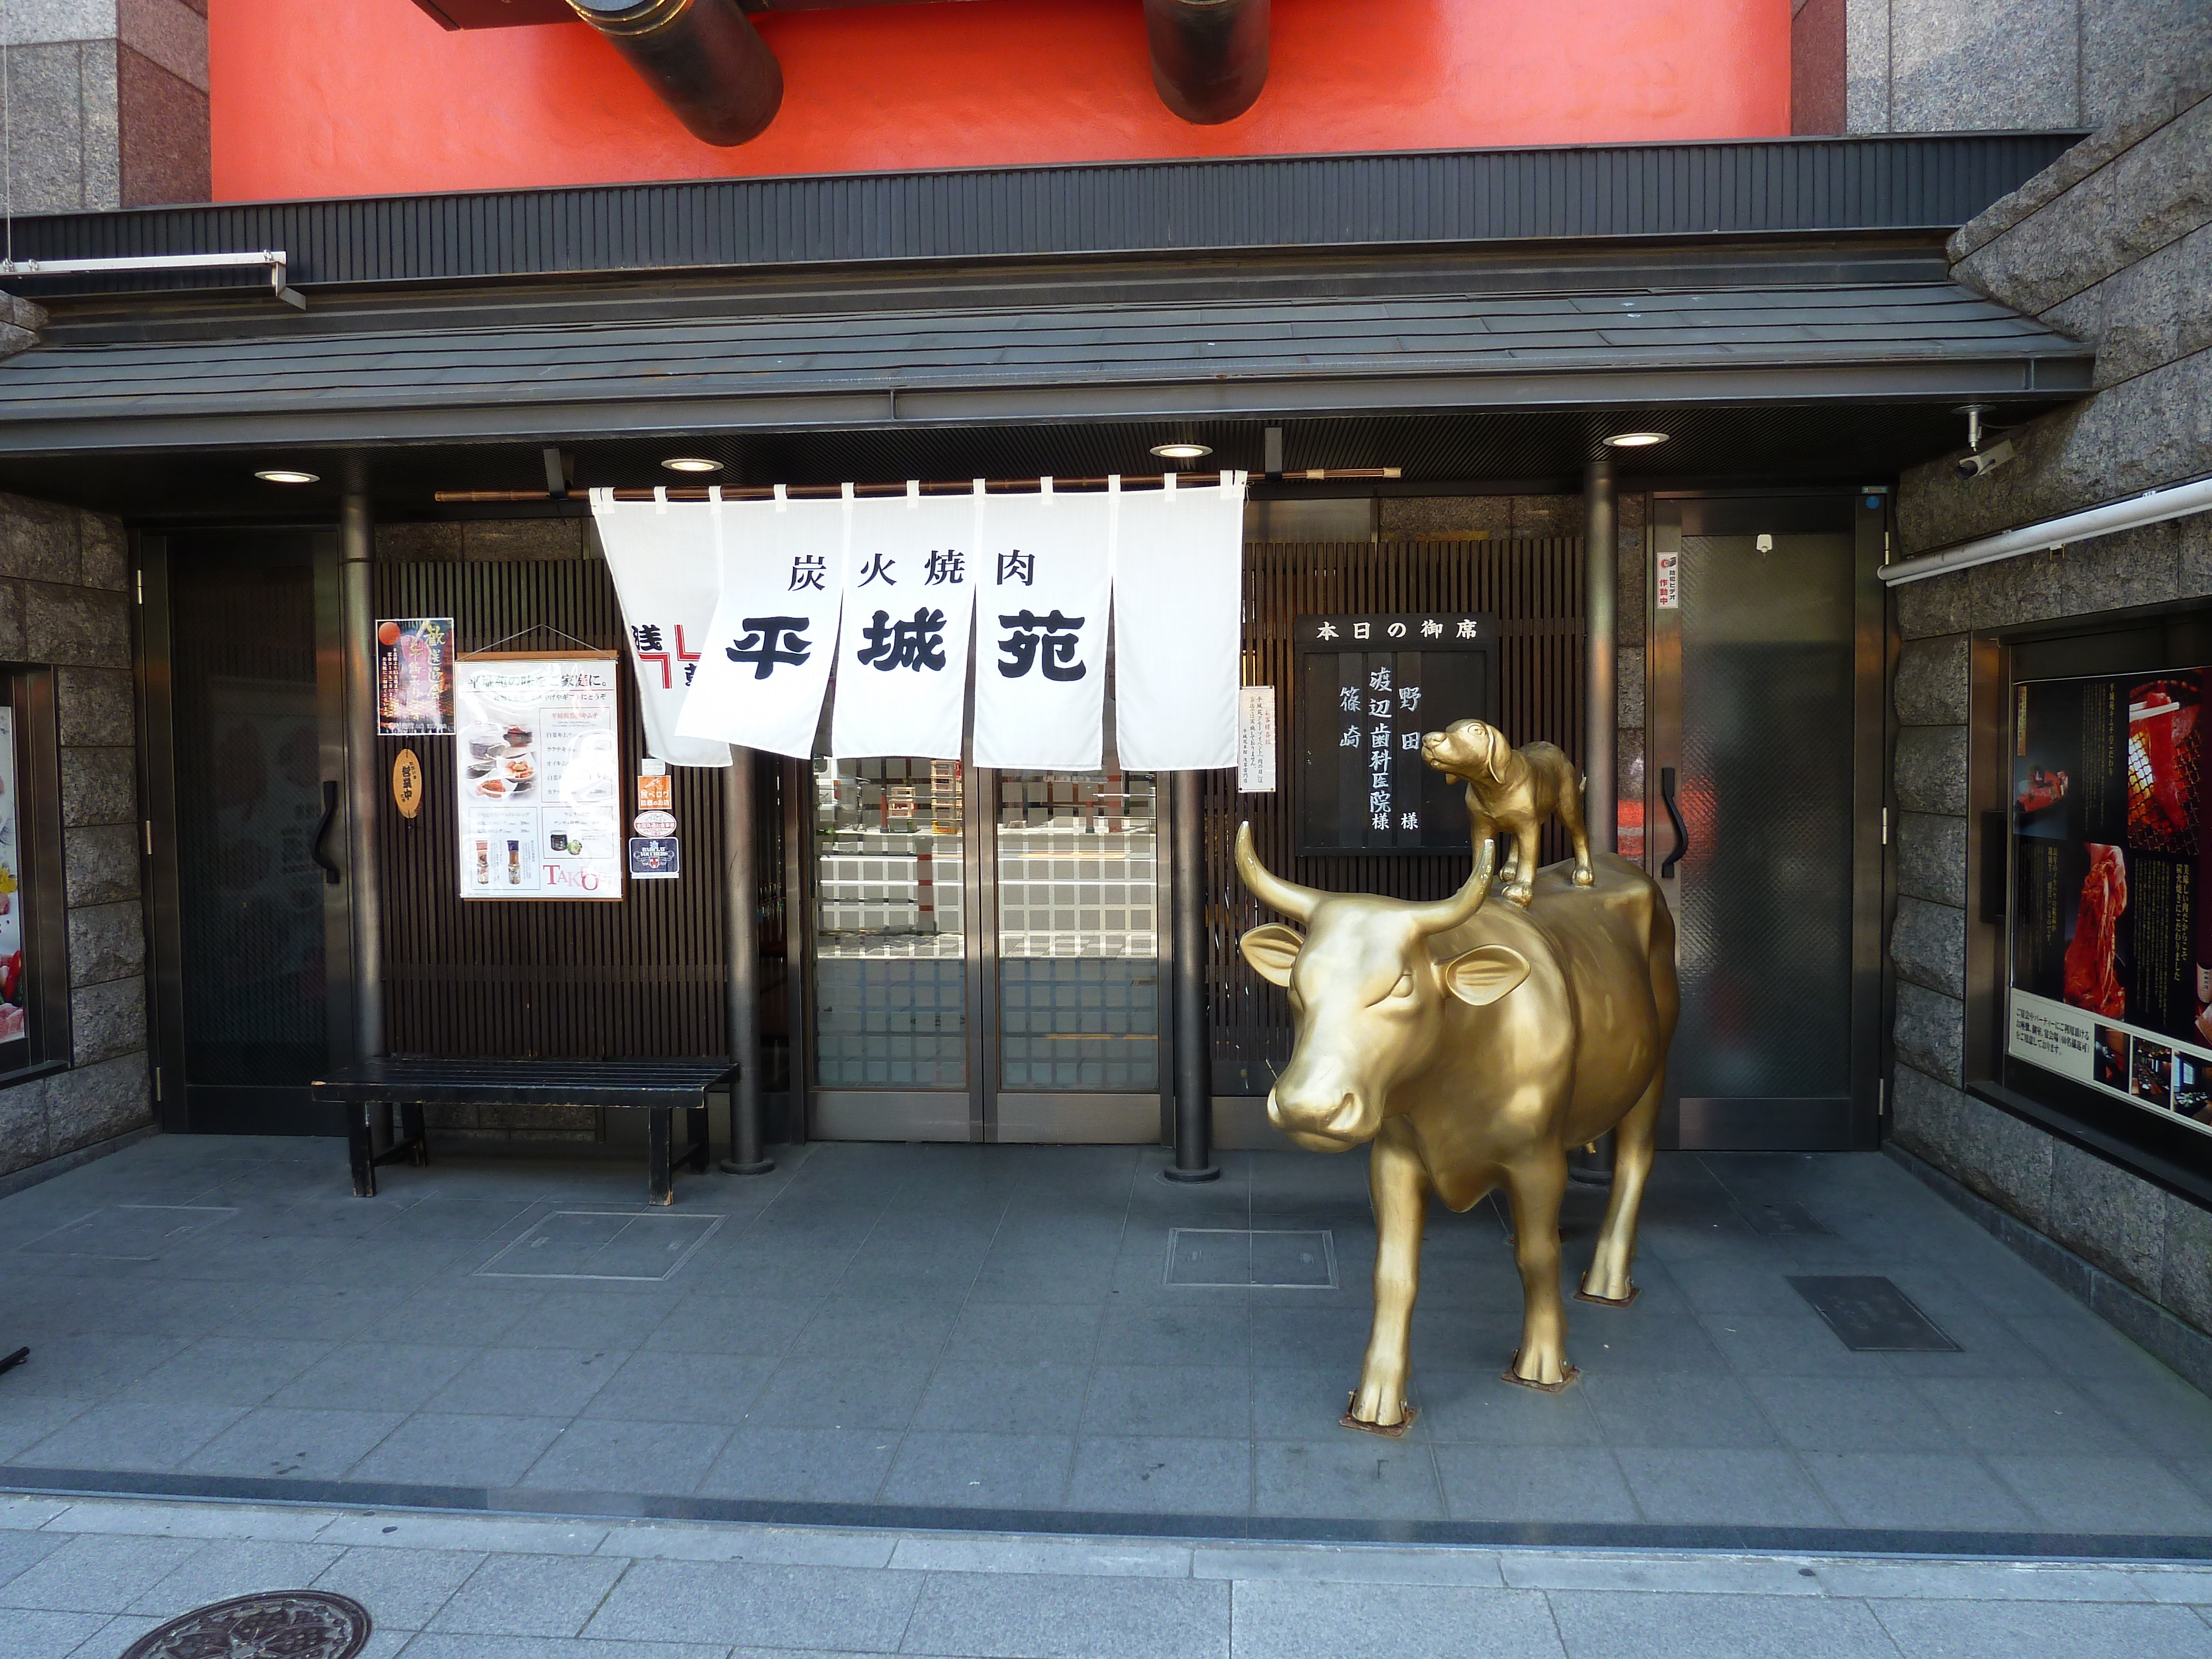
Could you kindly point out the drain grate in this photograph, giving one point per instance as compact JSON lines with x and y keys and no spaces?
{"x":597,"y":1244}
{"x":1251,"y":1259}
{"x":129,"y":1232}
{"x":1782,"y":1221}
{"x":293,"y":1623}
{"x":1872,"y":1316}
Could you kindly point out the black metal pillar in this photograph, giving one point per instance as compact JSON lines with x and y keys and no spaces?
{"x":1600,"y":719}
{"x":1194,"y":1054}
{"x":357,"y":607}
{"x":741,"y":950}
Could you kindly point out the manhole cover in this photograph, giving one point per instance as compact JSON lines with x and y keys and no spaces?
{"x":274,"y":1625}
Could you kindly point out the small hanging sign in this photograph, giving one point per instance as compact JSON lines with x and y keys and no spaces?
{"x":1255,"y":740}
{"x":655,"y":858}
{"x":654,"y":824}
{"x":656,"y":790}
{"x":407,"y":783}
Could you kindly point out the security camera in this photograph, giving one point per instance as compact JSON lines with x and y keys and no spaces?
{"x":1986,"y":460}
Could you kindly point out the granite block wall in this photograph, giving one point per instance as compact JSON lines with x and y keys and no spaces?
{"x":66,"y":600}
{"x":2113,"y":244}
{"x":108,"y":103}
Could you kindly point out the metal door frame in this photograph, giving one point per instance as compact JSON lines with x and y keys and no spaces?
{"x":234,"y":1109}
{"x":984,"y":1113}
{"x":1756,"y":1124}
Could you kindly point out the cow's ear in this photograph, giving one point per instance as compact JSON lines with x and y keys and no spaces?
{"x":1272,"y":950}
{"x":1484,"y":974}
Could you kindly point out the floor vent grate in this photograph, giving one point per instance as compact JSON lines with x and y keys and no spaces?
{"x":1872,"y":1316}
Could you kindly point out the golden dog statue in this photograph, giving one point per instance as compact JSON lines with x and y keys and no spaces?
{"x":1513,"y":790}
{"x":1472,"y":1046}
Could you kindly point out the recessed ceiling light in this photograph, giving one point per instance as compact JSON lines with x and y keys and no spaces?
{"x":286,"y":475}
{"x":1635,"y":439}
{"x":1182,"y":451}
{"x":691,"y":463}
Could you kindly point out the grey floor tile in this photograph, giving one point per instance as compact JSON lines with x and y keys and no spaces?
{"x":1025,"y":1614}
{"x":131,"y":1435}
{"x":1024,"y":1333}
{"x":1481,"y":1407}
{"x":830,"y":1465}
{"x":1849,"y":1414}
{"x":118,"y":1633}
{"x":842,"y":1393}
{"x":866,"y":1329}
{"x":834,"y":1608}
{"x":40,"y":1635}
{"x":1943,"y":1491}
{"x":1609,"y":1625}
{"x":2105,"y":1494}
{"x":591,"y":1455}
{"x":1187,"y":1401}
{"x":2158,"y":1410}
{"x":389,"y":1377}
{"x":1350,"y":1476}
{"x":1216,"y":1333}
{"x":228,"y":1567}
{"x":1639,"y":1341}
{"x":1288,"y":1619}
{"x":1015,"y":1399}
{"x":751,"y":1328}
{"x":284,"y":1441}
{"x":96,"y":1575}
{"x":430,"y":1644}
{"x":527,"y":1381}
{"x":1303,"y":1404}
{"x":341,"y":1313}
{"x":1712,"y":1485}
{"x":661,"y":1386}
{"x":228,"y":1371}
{"x":30,"y":1419}
{"x":993,"y":1471}
{"x":1987,"y":1348}
{"x":600,"y":1321}
{"x":2003,"y":1414}
{"x":1305,"y":1332}
{"x":529,"y":1595}
{"x":2046,"y":1630}
{"x":402,"y":1588}
{"x":469,"y":1314}
{"x":1534,"y":1483}
{"x":21,"y":1551}
{"x":441,"y":1449}
{"x":1788,"y":1345}
{"x":91,"y":1367}
{"x":1672,"y":1408}
{"x":1733,"y":1287}
{"x":1131,"y":1474}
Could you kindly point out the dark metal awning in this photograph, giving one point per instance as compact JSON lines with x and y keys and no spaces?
{"x":1779,"y":342}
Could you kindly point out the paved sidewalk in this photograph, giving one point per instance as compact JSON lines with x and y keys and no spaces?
{"x":82,"y":1580}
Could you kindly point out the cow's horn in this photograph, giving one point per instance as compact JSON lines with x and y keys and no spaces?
{"x":1293,"y":901}
{"x":1448,"y":914}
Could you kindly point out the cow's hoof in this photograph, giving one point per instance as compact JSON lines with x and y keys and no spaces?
{"x":1585,"y":878}
{"x":1610,"y":1301}
{"x":1567,"y":1375}
{"x":1388,"y":1431}
{"x":1519,"y":891}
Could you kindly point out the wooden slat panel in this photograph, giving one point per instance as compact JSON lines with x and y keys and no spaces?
{"x":1534,"y":587}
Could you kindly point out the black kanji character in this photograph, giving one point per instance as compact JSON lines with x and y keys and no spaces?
{"x":877,"y":568}
{"x":809,"y":571}
{"x":1017,"y":566}
{"x":917,"y":644}
{"x":648,"y":635}
{"x":1055,"y":632}
{"x":947,"y":567}
{"x":769,"y":640}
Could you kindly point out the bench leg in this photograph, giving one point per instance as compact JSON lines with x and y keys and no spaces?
{"x":660,"y":1183}
{"x":360,"y":1148}
{"x":695,"y":1121}
{"x":411,"y":1129}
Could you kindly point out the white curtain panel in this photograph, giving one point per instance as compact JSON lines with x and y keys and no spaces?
{"x":667,"y":577}
{"x":766,"y":665}
{"x":1178,"y":610}
{"x":1041,"y":610}
{"x":910,"y":582}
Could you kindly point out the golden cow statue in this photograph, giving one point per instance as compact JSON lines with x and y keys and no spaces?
{"x":1473,"y":1046}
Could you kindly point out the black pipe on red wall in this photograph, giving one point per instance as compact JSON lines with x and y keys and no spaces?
{"x":703,"y":59}
{"x":1209,"y":57}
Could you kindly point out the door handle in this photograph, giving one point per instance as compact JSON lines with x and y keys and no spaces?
{"x":1674,"y":818}
{"x":332,"y":873}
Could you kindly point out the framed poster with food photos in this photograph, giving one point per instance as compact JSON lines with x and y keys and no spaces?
{"x":537,"y":751}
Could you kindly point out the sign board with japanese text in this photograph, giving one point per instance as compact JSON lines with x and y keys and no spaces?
{"x":1368,"y":687}
{"x":1255,"y":740}
{"x":537,"y":759}
{"x":414,"y":677}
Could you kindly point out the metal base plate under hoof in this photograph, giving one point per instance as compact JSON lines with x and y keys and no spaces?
{"x":1566,"y":1379}
{"x":1634,"y":1290}
{"x":731,"y":1166}
{"x":1211,"y":1172}
{"x":298,"y":1624}
{"x":1388,"y":1430}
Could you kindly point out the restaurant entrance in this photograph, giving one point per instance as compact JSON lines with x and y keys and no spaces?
{"x":987,"y":960}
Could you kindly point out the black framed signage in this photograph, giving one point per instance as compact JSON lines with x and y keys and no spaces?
{"x":1368,"y":688}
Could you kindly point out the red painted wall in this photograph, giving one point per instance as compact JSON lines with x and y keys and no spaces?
{"x":369,"y":97}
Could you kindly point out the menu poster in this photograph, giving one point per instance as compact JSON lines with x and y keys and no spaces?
{"x":2111,"y":941}
{"x":415,"y":676}
{"x":538,"y":754}
{"x":15,"y":1014}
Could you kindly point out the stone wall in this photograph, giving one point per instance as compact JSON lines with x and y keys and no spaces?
{"x":107,"y":102}
{"x":2111,"y":244}
{"x":64,"y":600}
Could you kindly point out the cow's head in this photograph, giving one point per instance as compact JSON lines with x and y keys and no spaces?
{"x":1368,"y":994}
{"x":1474,"y":751}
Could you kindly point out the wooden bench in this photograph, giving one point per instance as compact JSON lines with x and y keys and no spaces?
{"x":661,"y":1088}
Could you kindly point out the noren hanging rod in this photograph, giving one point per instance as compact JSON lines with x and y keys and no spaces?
{"x":954,"y":486}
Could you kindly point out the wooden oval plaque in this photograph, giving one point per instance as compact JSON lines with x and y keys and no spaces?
{"x":407,"y":783}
